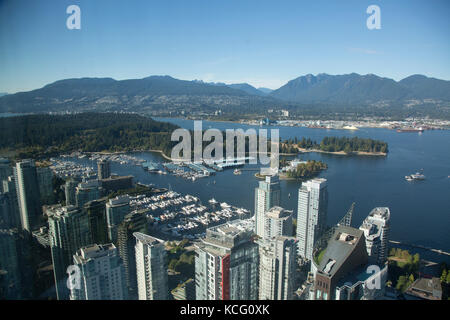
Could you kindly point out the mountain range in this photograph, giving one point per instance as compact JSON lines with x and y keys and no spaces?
{"x":362,"y":89}
{"x":166,"y":94}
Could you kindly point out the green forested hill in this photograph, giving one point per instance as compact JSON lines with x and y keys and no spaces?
{"x":39,"y":135}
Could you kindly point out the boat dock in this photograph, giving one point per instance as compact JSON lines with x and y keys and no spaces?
{"x":419,"y":247}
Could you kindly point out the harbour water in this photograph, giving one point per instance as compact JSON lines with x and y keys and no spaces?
{"x":420,"y":210}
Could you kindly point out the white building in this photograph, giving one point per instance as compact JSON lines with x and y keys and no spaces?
{"x":102,"y":275}
{"x":267,"y":195}
{"x":278,"y":222}
{"x":376,"y":232}
{"x":312,"y":215}
{"x":226,"y":263}
{"x":151,"y":268}
{"x":277,"y":268}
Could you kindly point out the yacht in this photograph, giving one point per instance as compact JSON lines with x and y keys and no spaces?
{"x":416,"y":176}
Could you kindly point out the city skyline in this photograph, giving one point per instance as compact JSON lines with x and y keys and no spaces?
{"x":116,"y":116}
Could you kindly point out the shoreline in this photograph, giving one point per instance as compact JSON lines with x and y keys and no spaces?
{"x":342,"y":153}
{"x":284,"y":177}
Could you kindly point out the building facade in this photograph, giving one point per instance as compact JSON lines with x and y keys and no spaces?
{"x":9,"y":189}
{"x":278,"y":222}
{"x":70,"y":188}
{"x":101,"y":274}
{"x":11,"y":284}
{"x":103,"y":169}
{"x":68,"y":232}
{"x":227,"y":263}
{"x":376,"y":231}
{"x":87,"y":191}
{"x":311,"y":215}
{"x":28,"y":196}
{"x":126,"y":242}
{"x":267,"y":195}
{"x":277,"y":263}
{"x":151,"y":268}
{"x":5,"y":171}
{"x":96,"y":212}
{"x":45,"y":182}
{"x":116,"y":210}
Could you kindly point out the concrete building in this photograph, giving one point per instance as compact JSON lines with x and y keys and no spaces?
{"x":68,"y":232}
{"x":87,"y":191}
{"x":151,"y":268}
{"x":345,"y":253}
{"x":277,"y":263}
{"x":376,"y":231}
{"x":126,"y":242}
{"x":102,"y":275}
{"x":424,"y":289}
{"x":27,"y":189}
{"x":311,"y":215}
{"x":278,"y":222}
{"x":226,"y":263}
{"x":103,"y":169}
{"x":267,"y":195}
{"x":116,"y":210}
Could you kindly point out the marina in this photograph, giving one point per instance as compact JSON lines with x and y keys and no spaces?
{"x":175,"y":215}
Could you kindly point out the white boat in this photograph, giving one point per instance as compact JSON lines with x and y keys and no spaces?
{"x":237,"y":172}
{"x":416,"y":176}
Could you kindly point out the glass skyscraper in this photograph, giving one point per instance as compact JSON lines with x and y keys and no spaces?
{"x":28,"y":196}
{"x":68,"y":232}
{"x":311,"y":215}
{"x":267,"y":195}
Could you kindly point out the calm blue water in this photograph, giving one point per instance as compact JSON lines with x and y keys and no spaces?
{"x":420,"y":211}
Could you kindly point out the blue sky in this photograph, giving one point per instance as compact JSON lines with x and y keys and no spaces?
{"x":264,"y":43}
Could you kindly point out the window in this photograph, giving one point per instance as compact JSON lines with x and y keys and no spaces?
{"x":318,"y":294}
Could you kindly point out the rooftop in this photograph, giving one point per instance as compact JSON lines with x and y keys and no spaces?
{"x":230,"y":234}
{"x":59,"y":210}
{"x":146,"y":239}
{"x":278,"y":213}
{"x":339,"y":248}
{"x":429,"y":289}
{"x":93,"y":251}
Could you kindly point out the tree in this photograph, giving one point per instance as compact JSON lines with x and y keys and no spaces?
{"x":444,"y":276}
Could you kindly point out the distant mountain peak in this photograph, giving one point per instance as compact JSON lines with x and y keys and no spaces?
{"x":354,"y":88}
